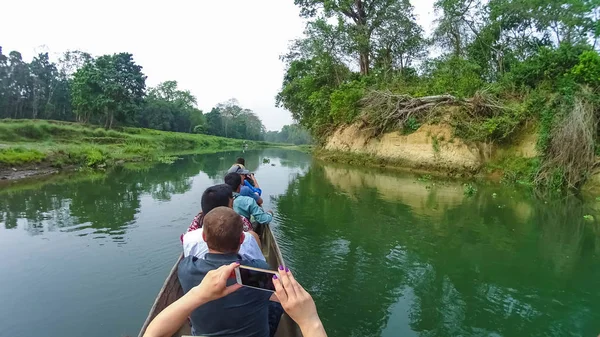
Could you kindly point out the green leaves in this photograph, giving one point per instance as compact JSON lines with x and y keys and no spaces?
{"x":111,"y":86}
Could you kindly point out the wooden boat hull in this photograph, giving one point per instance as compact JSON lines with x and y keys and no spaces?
{"x":171,"y":291}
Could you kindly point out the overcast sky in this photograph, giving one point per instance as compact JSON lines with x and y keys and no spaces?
{"x":217,"y":49}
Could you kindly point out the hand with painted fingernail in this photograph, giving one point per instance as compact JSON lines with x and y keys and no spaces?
{"x":298,"y":303}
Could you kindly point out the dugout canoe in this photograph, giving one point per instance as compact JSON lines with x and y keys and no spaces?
{"x":171,"y":291}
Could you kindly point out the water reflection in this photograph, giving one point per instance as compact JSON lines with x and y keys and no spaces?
{"x":384,"y":254}
{"x":382,"y":249}
{"x":103,"y":205}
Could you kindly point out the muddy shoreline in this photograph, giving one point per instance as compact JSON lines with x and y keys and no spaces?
{"x":23,"y":172}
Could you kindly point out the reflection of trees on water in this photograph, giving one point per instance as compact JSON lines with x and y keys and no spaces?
{"x":484,"y":266}
{"x":104,"y":205}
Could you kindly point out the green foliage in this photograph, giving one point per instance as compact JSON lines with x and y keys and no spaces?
{"x":345,"y":102}
{"x":307,"y":87}
{"x":411,"y":125}
{"x":290,"y":134}
{"x":454,"y":75}
{"x":60,"y":143}
{"x":229,"y":119}
{"x":548,"y":65}
{"x":587,"y":71}
{"x":498,"y":127}
{"x":109,"y":90}
{"x":111,"y":86}
{"x":517,"y":170}
{"x":19,"y":156}
{"x":469,"y":190}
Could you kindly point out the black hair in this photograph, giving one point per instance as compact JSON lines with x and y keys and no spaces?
{"x":240,"y":160}
{"x":234,"y":180}
{"x":216,"y":196}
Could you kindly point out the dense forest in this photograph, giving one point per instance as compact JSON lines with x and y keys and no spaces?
{"x":111,"y":90}
{"x":503,"y":63}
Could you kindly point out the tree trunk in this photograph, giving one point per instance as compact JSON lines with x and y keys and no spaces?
{"x":364,"y":63}
{"x":112,"y":115}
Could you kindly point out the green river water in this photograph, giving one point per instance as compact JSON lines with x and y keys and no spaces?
{"x":383,"y":253}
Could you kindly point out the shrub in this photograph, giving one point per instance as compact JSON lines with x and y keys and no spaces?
{"x":19,"y":155}
{"x":411,"y":125}
{"x":454,"y":75}
{"x":549,"y":65}
{"x":344,"y":102}
{"x":31,"y":131}
{"x":587,"y":71}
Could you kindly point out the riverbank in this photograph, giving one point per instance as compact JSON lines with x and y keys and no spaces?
{"x":39,"y":147}
{"x":436,"y":149}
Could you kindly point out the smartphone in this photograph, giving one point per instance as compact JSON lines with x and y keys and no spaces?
{"x":255,"y":278}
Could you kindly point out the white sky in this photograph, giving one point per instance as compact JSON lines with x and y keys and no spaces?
{"x":217,"y":49}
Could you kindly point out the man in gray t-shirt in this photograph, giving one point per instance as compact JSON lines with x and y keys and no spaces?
{"x":242,"y":313}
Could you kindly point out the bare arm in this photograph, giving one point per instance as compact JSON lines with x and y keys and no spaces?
{"x":254,"y":180}
{"x":213,"y":286}
{"x":256,"y":237}
{"x":298,"y":304}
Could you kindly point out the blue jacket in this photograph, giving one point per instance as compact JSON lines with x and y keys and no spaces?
{"x":254,"y":189}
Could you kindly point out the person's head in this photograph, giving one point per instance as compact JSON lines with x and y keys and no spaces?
{"x":234,"y":180}
{"x":223,"y":230}
{"x":216,"y":196}
{"x":241,"y":161}
{"x":238,"y":169}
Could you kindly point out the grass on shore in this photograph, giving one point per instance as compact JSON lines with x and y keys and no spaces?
{"x":24,"y":142}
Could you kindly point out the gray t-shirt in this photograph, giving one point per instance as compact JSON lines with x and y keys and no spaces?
{"x":244,"y":313}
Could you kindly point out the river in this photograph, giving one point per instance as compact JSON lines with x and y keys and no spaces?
{"x":383,"y":253}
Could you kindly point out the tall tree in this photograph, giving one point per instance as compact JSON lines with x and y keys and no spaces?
{"x":399,"y":41}
{"x":111,"y":85}
{"x":356,"y":20}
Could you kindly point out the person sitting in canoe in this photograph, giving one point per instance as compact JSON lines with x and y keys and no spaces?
{"x":246,"y":206}
{"x":245,"y":190}
{"x":246,"y":312}
{"x":213,"y":197}
{"x":250,"y":179}
{"x":296,"y":302}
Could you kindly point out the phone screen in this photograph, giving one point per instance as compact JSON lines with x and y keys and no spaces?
{"x":256,"y":278}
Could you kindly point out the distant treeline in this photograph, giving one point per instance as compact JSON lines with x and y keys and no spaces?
{"x":111,"y":90}
{"x":292,"y":134}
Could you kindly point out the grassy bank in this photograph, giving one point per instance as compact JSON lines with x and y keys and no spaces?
{"x":59,"y":144}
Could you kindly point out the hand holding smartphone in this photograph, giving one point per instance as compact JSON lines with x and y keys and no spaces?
{"x":255,"y":278}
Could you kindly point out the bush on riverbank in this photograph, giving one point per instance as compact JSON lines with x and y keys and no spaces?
{"x":60,"y":143}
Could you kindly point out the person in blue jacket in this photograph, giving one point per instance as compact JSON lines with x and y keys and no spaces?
{"x":250,"y":187}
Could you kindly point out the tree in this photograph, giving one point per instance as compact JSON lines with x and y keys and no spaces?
{"x":214,"y":122}
{"x":45,"y":81}
{"x":170,"y":109}
{"x":19,"y":86}
{"x":111,"y":85}
{"x":356,"y":20}
{"x":290,"y":134}
{"x":398,"y":42}
{"x":455,"y":24}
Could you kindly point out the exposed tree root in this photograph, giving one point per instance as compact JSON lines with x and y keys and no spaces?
{"x":384,"y":110}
